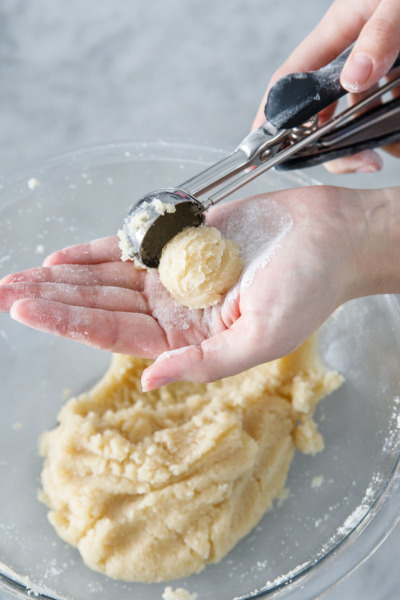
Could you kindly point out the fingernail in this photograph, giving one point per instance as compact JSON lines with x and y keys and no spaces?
{"x":147,"y":386}
{"x":13,"y":314}
{"x":6,"y":279}
{"x":356,"y":72}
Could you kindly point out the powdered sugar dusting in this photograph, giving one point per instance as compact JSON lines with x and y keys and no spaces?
{"x":259,"y":230}
{"x":392,"y":441}
{"x":362,"y":509}
{"x":171,"y":316}
{"x":173,"y":353}
{"x":287,"y":576}
{"x":281,"y":579}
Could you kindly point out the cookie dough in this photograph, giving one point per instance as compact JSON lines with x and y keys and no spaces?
{"x":198,"y":266}
{"x":179,"y":594}
{"x":152,"y":487}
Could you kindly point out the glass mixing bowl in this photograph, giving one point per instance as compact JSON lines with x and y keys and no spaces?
{"x":308,"y":542}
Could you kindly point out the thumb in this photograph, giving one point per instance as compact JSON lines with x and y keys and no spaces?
{"x":375,"y":50}
{"x":228,"y":353}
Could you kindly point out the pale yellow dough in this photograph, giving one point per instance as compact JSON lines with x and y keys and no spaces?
{"x":198,"y":266}
{"x":154,"y":486}
{"x":178,"y":594}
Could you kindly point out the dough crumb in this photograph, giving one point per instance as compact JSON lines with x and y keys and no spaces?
{"x":317,"y":481}
{"x":32,"y":183}
{"x":198,"y":266}
{"x":307,"y":437}
{"x":162,"y":207}
{"x":282,"y":496}
{"x":124,"y":246}
{"x":178,"y":594}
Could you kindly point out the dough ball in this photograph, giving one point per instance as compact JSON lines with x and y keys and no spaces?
{"x":198,"y":266}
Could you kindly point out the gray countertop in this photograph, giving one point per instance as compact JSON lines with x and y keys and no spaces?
{"x":76,"y":74}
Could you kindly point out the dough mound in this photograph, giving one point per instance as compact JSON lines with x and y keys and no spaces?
{"x":152,"y":487}
{"x":198,"y":265}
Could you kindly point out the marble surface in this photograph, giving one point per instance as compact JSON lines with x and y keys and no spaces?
{"x":75,"y":74}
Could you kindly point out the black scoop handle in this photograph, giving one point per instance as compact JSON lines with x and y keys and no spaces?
{"x":295,"y":98}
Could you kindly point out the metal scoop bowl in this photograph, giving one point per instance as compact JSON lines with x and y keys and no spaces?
{"x":156,"y":218}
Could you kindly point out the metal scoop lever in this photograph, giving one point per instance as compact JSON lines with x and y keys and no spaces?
{"x":157,"y":217}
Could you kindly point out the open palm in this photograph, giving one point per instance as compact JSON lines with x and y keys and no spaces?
{"x":298,"y":257}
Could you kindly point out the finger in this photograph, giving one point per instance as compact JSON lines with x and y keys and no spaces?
{"x":375,"y":50}
{"x":106,"y":274}
{"x":353,"y":99}
{"x":106,"y":298}
{"x":394,"y":74}
{"x":393,"y":149}
{"x":228,"y":353}
{"x":259,"y":119}
{"x":327,"y":113}
{"x":127,"y":333}
{"x":97,"y":251}
{"x":323,"y":116}
{"x":367,"y":161}
{"x":329,"y":38}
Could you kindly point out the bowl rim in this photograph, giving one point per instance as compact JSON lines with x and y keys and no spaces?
{"x":382,"y":516}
